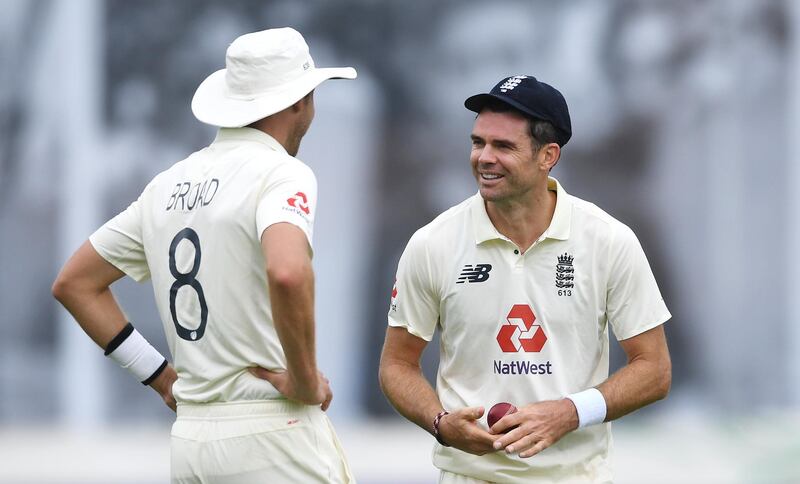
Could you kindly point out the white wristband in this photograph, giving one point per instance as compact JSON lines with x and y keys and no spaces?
{"x":132,"y":352}
{"x":591,"y":406}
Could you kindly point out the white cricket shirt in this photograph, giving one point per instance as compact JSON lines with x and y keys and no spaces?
{"x":522,"y":328}
{"x":196,"y":231}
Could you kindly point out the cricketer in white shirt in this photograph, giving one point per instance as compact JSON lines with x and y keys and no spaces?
{"x":526,"y":327}
{"x":523,"y":281}
{"x":225,"y":235}
{"x":195,"y":230}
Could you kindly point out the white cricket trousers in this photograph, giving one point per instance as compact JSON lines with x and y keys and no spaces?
{"x":255,"y":442}
{"x":451,"y":478}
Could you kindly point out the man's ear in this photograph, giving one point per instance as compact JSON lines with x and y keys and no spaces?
{"x":549,"y":155}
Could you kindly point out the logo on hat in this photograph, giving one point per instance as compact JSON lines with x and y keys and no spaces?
{"x":511,"y":83}
{"x":519,"y":333}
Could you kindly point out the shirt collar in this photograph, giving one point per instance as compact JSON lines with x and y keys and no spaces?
{"x":559,"y":226}
{"x":249,"y":134}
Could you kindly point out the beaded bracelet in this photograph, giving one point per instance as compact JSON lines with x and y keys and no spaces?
{"x":436,"y":421}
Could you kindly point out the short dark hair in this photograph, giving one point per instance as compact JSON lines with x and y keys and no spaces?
{"x":541,"y":132}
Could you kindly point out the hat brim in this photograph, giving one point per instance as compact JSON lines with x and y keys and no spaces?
{"x":212,"y":104}
{"x":477,"y":102}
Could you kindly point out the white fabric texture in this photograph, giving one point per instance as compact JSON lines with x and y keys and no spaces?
{"x":277,"y":441}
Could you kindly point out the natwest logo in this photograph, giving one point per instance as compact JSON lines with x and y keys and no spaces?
{"x":299,"y":200}
{"x":519,"y":333}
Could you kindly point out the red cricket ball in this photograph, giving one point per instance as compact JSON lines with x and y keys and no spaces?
{"x":498,"y":411}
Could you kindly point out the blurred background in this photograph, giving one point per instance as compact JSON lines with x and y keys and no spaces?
{"x":685,"y":119}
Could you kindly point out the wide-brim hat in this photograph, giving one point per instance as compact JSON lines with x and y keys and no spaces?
{"x":265,"y":73}
{"x":533,"y":98}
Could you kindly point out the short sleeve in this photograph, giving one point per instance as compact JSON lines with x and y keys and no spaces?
{"x":290,"y":196}
{"x":119,"y":241}
{"x":634,"y":303}
{"x":415,"y":301}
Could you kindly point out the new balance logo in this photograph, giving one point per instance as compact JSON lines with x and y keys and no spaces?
{"x":476,"y":273}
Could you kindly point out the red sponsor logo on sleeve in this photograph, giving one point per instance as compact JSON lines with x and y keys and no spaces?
{"x":299,"y":200}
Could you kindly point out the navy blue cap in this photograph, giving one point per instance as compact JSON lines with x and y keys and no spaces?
{"x":532,"y":98}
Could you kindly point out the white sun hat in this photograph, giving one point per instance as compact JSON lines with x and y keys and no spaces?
{"x":266,"y":72}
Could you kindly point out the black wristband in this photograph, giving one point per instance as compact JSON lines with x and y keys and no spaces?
{"x":436,"y":422}
{"x":155,"y":373}
{"x":118,"y":339}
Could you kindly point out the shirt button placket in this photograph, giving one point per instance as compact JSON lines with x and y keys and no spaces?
{"x":519,"y":260}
